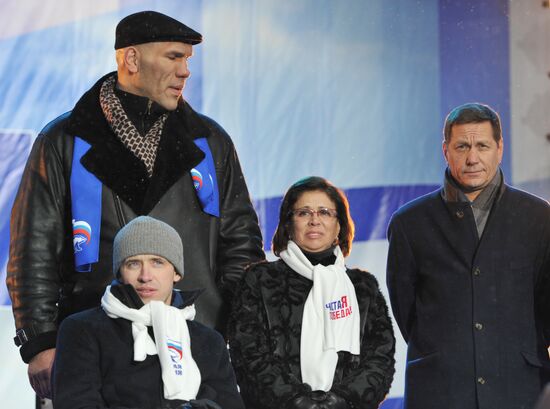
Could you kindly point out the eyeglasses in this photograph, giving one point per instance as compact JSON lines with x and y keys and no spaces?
{"x":306,"y":213}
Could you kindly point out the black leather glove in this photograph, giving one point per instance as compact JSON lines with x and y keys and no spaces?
{"x":192,"y":404}
{"x":174,"y":404}
{"x":318,"y":400}
{"x":203,"y":404}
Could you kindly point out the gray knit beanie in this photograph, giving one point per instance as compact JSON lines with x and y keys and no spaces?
{"x":146,"y":235}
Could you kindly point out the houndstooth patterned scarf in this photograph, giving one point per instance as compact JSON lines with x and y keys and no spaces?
{"x":144,"y":147}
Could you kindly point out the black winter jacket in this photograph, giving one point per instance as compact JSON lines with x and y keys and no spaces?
{"x":43,"y":284}
{"x":95,"y":367}
{"x":264,"y":335}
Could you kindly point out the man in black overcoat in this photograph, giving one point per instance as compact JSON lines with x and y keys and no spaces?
{"x":468,"y":269}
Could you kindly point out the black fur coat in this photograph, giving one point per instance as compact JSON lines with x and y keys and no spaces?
{"x":264,"y":335}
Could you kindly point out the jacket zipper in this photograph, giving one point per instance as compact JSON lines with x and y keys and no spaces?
{"x":118,"y":209}
{"x":147,"y":114}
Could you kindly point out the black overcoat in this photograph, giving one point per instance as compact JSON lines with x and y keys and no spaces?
{"x":471,"y":309}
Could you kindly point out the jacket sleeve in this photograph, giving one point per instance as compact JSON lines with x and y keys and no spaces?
{"x":264,"y":379}
{"x":401,"y":277}
{"x":542,"y":300}
{"x":368,"y":381}
{"x":219,"y":384}
{"x":77,"y":376}
{"x":37,"y":231}
{"x":239,"y":238}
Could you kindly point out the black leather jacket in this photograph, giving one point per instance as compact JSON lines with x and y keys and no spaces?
{"x":43,"y":284}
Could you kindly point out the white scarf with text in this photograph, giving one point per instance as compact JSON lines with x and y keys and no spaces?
{"x":331,"y":317}
{"x":180,"y":375}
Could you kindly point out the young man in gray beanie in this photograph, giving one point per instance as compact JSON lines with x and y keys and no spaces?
{"x":141,"y":348}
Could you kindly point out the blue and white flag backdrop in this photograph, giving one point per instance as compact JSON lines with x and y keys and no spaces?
{"x":355,"y":91}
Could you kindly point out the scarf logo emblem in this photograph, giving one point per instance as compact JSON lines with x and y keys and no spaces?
{"x":82,"y":234}
{"x":176,"y":354}
{"x":339,"y":308}
{"x":197,"y":179}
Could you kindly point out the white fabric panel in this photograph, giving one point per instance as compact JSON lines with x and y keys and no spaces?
{"x":345,"y":90}
{"x":530,"y":95}
{"x":15,"y":389}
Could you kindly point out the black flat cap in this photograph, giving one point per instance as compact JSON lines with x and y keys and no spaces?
{"x":151,"y":26}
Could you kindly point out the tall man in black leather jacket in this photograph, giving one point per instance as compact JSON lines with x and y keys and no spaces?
{"x":131,"y":146}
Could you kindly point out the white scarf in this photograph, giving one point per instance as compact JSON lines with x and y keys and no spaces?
{"x":331,"y":317}
{"x":180,"y":375}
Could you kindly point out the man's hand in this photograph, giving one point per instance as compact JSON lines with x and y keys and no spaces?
{"x":40,"y":372}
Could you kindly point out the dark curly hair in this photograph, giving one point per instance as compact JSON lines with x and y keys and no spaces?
{"x":309,"y":184}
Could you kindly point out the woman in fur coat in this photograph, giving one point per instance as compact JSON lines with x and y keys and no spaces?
{"x":307,"y":332}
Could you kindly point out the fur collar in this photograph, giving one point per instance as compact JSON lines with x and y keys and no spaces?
{"x":117,"y":167}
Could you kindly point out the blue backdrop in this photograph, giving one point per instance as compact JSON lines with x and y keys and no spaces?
{"x":355,"y":91}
